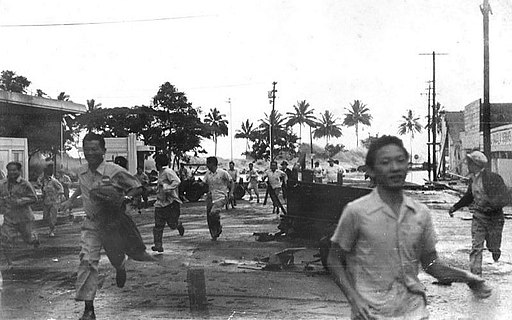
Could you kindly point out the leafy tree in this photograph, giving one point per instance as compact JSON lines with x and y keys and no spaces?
{"x":409,"y":125}
{"x":9,"y":81}
{"x":63,"y":96}
{"x":284,"y":139}
{"x":217,"y":125}
{"x":170,"y":124}
{"x":301,"y":115}
{"x":177,"y":123}
{"x":92,"y":105}
{"x":327,"y":127}
{"x":41,"y":93}
{"x":366,"y":142}
{"x":333,"y":150}
{"x":246,"y":132}
{"x":358,"y":114}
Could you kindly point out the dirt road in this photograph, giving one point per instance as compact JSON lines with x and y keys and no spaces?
{"x":41,"y":284}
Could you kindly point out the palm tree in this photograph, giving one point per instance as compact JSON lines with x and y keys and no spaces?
{"x":327,"y":127}
{"x":245,"y":133}
{"x":358,"y":114}
{"x":91,"y":105}
{"x":63,"y":96}
{"x":218,"y":126}
{"x":410,"y":124}
{"x":301,"y":115}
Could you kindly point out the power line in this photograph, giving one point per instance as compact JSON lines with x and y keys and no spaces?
{"x":68,"y":24}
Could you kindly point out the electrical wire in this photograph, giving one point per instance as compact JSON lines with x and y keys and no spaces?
{"x":68,"y":24}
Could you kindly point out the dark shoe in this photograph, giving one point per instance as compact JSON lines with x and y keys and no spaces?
{"x":480,"y":289}
{"x":157,"y":248}
{"x":496,"y":256}
{"x":88,"y":315}
{"x":120,"y":277}
{"x":36,"y":243}
{"x":181,"y":230}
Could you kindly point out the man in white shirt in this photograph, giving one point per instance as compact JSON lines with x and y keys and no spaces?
{"x":235,"y":175}
{"x":220,"y":190}
{"x":276,"y":178}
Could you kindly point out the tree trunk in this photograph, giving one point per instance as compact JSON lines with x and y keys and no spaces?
{"x":357,"y":135}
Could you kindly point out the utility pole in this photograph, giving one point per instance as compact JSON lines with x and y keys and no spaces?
{"x":434,"y":113}
{"x":429,"y":163}
{"x":485,"y":8}
{"x":230,"y":127}
{"x":272,"y":115}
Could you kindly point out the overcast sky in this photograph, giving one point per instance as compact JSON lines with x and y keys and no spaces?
{"x":328,"y":53}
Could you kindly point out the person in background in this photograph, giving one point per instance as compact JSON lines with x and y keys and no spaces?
{"x":486,"y":195}
{"x":167,"y":205}
{"x":382,"y":239}
{"x":121,"y":161}
{"x":144,"y":181}
{"x":94,"y":175}
{"x":276,"y":178}
{"x":16,"y":196}
{"x":65,"y":181}
{"x":331,"y":172}
{"x":220,"y":190}
{"x":252,"y":178}
{"x":285,"y":169}
{"x":235,"y":175}
{"x":318,"y":172}
{"x":52,"y":192}
{"x":186,"y":178}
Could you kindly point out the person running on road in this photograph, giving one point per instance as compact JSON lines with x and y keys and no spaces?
{"x":95,"y":174}
{"x":276,"y":178}
{"x":486,"y":195}
{"x":167,"y":205}
{"x":235,"y":175}
{"x":220,"y":191}
{"x":16,"y":196}
{"x":252,"y":178}
{"x":381,"y":240}
{"x":144,"y":181}
{"x":52,"y":193}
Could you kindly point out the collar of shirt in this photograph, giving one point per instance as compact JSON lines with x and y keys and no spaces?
{"x":378,"y":204}
{"x":100,"y":169}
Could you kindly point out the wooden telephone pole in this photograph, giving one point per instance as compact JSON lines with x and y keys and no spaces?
{"x":485,"y":8}
{"x":271,"y":119}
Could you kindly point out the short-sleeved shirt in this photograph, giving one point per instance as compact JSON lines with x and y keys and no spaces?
{"x":331,"y":173}
{"x":480,"y":198}
{"x":252,"y":175}
{"x":167,"y":188}
{"x":107,"y":173}
{"x":275,"y":178}
{"x":235,"y":175}
{"x":218,"y":183}
{"x":52,"y":190}
{"x":19,"y":189}
{"x":318,"y":172}
{"x":383,"y":251}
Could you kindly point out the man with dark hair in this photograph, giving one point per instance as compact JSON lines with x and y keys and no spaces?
{"x":235,"y":175}
{"x":276,"y":178}
{"x":252,"y":185}
{"x":167,"y":205}
{"x":220,"y":191}
{"x":52,"y":191}
{"x":487,"y":194}
{"x":381,"y":240}
{"x":16,"y":196}
{"x":121,"y":161}
{"x":98,"y":175}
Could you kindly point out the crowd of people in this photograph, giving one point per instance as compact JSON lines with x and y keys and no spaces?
{"x":378,"y":247}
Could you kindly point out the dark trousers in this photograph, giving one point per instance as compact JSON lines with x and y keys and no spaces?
{"x":169,"y":215}
{"x":488,"y":228}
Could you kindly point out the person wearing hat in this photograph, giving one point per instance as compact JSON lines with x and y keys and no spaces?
{"x":486,"y":196}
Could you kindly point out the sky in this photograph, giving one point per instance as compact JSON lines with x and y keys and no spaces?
{"x":328,"y":52}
